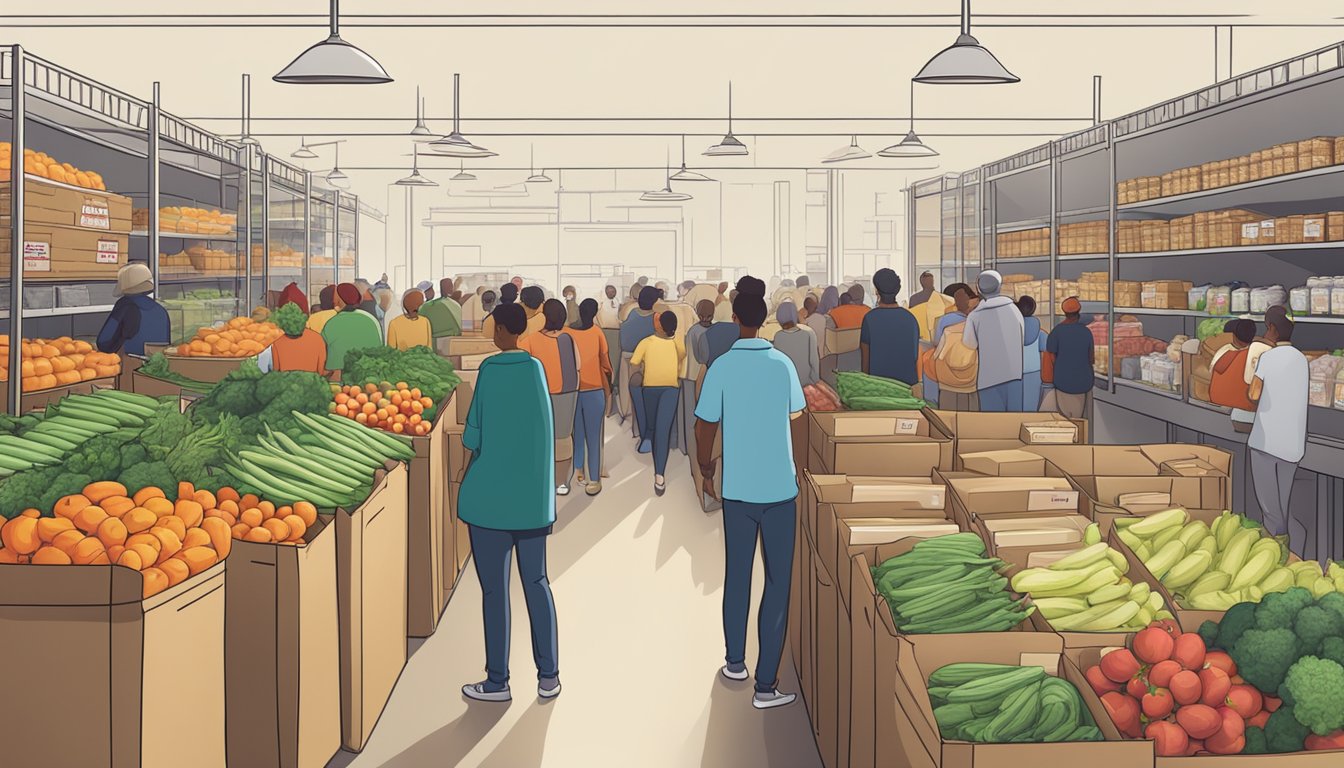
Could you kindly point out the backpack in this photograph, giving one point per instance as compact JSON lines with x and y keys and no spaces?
{"x":956,"y":365}
{"x":1227,"y":385}
{"x":569,"y":375}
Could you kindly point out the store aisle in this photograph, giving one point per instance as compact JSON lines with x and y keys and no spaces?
{"x":637,"y":583}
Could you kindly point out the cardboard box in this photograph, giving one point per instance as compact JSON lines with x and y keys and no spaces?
{"x":470,"y":345}
{"x":987,"y":496}
{"x":1010,"y":463}
{"x":371,"y":590}
{"x":427,"y":510}
{"x":921,"y":655}
{"x":282,"y":660}
{"x":878,"y":443}
{"x":840,"y":340}
{"x":54,"y":252}
{"x":1089,"y":460}
{"x":1049,"y":433}
{"x":1030,"y":532}
{"x":123,"y":673}
{"x":65,"y":205}
{"x":975,"y":432}
{"x":206,"y":369}
{"x":1102,"y":502}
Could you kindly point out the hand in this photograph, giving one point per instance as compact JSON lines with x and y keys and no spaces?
{"x":709,"y":489}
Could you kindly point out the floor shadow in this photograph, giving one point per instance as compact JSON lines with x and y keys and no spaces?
{"x":738,"y":734}
{"x":449,"y":745}
{"x":525,"y":743}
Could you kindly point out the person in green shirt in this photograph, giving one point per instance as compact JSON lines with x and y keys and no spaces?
{"x":350,"y":328}
{"x":507,"y":499}
{"x":444,"y":314}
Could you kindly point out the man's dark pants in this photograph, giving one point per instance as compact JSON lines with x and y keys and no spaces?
{"x":775,"y":524}
{"x":491,"y":551}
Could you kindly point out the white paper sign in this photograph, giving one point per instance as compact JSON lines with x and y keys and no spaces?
{"x":109,"y":252}
{"x":1038,"y":501}
{"x":36,"y":256}
{"x":93,"y":214}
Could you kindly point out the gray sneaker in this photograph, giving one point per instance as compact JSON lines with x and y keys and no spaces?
{"x":479,"y":692}
{"x":772,"y":699}
{"x":548,"y":687}
{"x":737,"y":675}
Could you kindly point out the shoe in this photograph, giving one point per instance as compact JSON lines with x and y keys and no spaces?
{"x":548,"y":687}
{"x":562,"y":490}
{"x":646,"y":446}
{"x":578,"y":477}
{"x":737,"y":675}
{"x":772,"y":699}
{"x":593,"y":489}
{"x":659,"y":488}
{"x":478,"y":692}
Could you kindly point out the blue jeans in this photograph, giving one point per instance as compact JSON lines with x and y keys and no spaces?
{"x":588,"y":432}
{"x":1031,"y":391}
{"x":1002,"y":397}
{"x":660,"y":413}
{"x":775,"y":524}
{"x":641,"y":413}
{"x":491,"y":551}
{"x":930,"y":391}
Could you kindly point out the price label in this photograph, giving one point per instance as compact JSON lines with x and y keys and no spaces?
{"x":109,"y":252}
{"x":93,"y":214}
{"x":36,"y":257}
{"x":907,"y":426}
{"x":1042,"y":501}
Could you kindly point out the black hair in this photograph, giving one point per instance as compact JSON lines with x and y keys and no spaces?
{"x":845,"y":298}
{"x":750,"y":309}
{"x":1026,"y":305}
{"x":511,"y":318}
{"x":1281,"y":324}
{"x":803,"y":281}
{"x":532,"y":296}
{"x":555,"y":314}
{"x":1244,"y":330}
{"x":752,"y":285}
{"x":1231,"y":325}
{"x":508,"y":293}
{"x":888,"y":284}
{"x":648,"y":296}
{"x":951,"y":290}
{"x":668,"y":322}
{"x":587,"y":311}
{"x":489,"y":293}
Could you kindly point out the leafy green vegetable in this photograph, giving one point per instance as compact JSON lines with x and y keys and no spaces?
{"x":290,"y":318}
{"x":419,"y":367}
{"x":203,"y":448}
{"x":102,"y":456}
{"x":153,"y":473}
{"x":164,"y":430}
{"x":1283,"y":732}
{"x":1314,"y":688}
{"x":258,"y":400}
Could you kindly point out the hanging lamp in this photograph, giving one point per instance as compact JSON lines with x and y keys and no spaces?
{"x":684,"y":174}
{"x":333,"y":62}
{"x":455,"y":144}
{"x":336,"y":177}
{"x":416,"y":179}
{"x":533,"y":177}
{"x":462,"y":174}
{"x":729,"y":145}
{"x":665,"y":195}
{"x":852,"y":152}
{"x":965,"y":62}
{"x":421,"y":131}
{"x":910,"y":146}
{"x":303,"y":152}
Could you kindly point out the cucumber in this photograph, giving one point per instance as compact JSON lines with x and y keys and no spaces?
{"x":47,"y":438}
{"x":70,"y":425}
{"x":79,"y":422}
{"x":283,"y":490}
{"x":84,"y":413}
{"x":123,"y":416}
{"x":363,"y":439}
{"x":339,"y":441}
{"x":37,"y":453}
{"x":398,"y":446}
{"x":319,"y":454}
{"x":288,"y":468}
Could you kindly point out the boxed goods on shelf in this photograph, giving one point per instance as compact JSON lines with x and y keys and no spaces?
{"x":974,"y":432}
{"x":1086,"y":237}
{"x":1165,"y":294}
{"x":1279,"y":160}
{"x":1025,"y":244}
{"x":877,"y":443}
{"x":1094,"y":286}
{"x":55,"y":203}
{"x":54,"y":252}
{"x":188,"y":220}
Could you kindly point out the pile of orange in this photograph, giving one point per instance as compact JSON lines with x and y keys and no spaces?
{"x":58,"y":362}
{"x":393,"y":409}
{"x":46,"y":166}
{"x":239,"y":337}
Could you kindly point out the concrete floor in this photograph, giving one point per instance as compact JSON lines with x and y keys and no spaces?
{"x":638,"y":590}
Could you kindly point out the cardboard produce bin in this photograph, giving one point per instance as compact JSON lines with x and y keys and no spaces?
{"x":53,"y":252}
{"x":207,"y":369}
{"x":456,"y":545}
{"x":838,"y":341}
{"x":922,"y":655}
{"x":426,"y":505}
{"x":39,"y":399}
{"x":371,"y":594}
{"x":282,"y":658}
{"x":877,"y":443}
{"x":67,"y":205}
{"x":144,"y":384}
{"x":128,"y":682}
{"x":975,"y":432}
{"x":1010,"y":463}
{"x":1105,"y":498}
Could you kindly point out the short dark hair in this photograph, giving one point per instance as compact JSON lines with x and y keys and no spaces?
{"x":508,"y":293}
{"x":1243,"y":330}
{"x":951,"y":290}
{"x":555,"y":313}
{"x":887,"y":283}
{"x":803,"y":281}
{"x":1281,"y":325}
{"x":752,"y":285}
{"x":1231,"y":325}
{"x":668,"y":322}
{"x":533,"y":296}
{"x":489,"y":296}
{"x":587,"y":311}
{"x":810,"y":303}
{"x":511,"y":317}
{"x":750,"y":309}
{"x":1026,"y":305}
{"x":648,"y":296}
{"x":326,"y":298}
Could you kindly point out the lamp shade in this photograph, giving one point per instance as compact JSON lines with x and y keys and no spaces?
{"x":337,"y":178}
{"x":416,"y":180}
{"x":852,"y":152}
{"x":303,"y":153}
{"x":664,"y":195}
{"x":333,"y":62}
{"x":910,"y":146}
{"x":686,"y":174}
{"x":727,"y":147}
{"x":965,"y":62}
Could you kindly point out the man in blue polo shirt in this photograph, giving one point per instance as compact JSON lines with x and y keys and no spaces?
{"x":752,"y":390}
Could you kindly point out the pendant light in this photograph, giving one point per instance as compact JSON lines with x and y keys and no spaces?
{"x":333,"y":62}
{"x":421,"y":131}
{"x":729,"y":145}
{"x":910,"y":146}
{"x":455,"y":144}
{"x":533,"y":177}
{"x":462,"y":174}
{"x":665,"y":195}
{"x":303,"y":152}
{"x":684,"y":174}
{"x":415,"y":179}
{"x":965,"y":62}
{"x":336,"y":178}
{"x":852,"y":152}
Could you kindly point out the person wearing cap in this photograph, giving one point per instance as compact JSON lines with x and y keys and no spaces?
{"x":350,"y":328}
{"x":425,"y":287}
{"x":444,"y":314}
{"x":995,"y":328}
{"x":1070,"y":353}
{"x":410,"y":329}
{"x":326,"y":309}
{"x":889,"y":339}
{"x":136,"y":319}
{"x":293,"y":294}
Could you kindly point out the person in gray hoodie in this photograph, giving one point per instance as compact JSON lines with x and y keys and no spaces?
{"x":995,"y":329}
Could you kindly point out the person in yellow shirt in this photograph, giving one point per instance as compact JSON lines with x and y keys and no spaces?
{"x":327,"y":302}
{"x":410,"y":329}
{"x":661,"y":356}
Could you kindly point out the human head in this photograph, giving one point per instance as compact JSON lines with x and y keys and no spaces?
{"x":722,"y":288}
{"x":1278,"y":328}
{"x":384,"y":296}
{"x":810,"y":305}
{"x":292,"y":293}
{"x":648,"y":296}
{"x":365,"y":289}
{"x":752,"y":285}
{"x":457,"y":296}
{"x":685,"y":288}
{"x":855,"y":293}
{"x":510,"y":322}
{"x":787,"y":314}
{"x":830,"y":299}
{"x":705,"y":311}
{"x":643,"y":280}
{"x":517,"y":282}
{"x":1243,"y":331}
{"x":926,"y":280}
{"x":667,"y":322}
{"x":326,"y":298}
{"x":1073,"y":308}
{"x":989,"y":283}
{"x":846,"y":299}
{"x":569,"y":293}
{"x":611,"y":291}
{"x":749,"y":310}
{"x":803,"y":281}
{"x":508,"y":293}
{"x":635,"y":290}
{"x":349,"y":295}
{"x":961,"y":294}
{"x":555,"y":313}
{"x":446,"y":287}
{"x":1026,"y":305}
{"x":587,"y":311}
{"x":134,"y":279}
{"x":532,"y":296}
{"x":411,"y":301}
{"x":427,"y":288}
{"x":888,"y":284}
{"x":488,"y":299}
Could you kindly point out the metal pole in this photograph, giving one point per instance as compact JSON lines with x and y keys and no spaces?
{"x":152,"y":193}
{"x":410,"y":235}
{"x":1096,"y":99}
{"x":266,"y":226}
{"x":17,"y":90}
{"x":356,"y":241}
{"x":1055,"y":167}
{"x":247,"y":107}
{"x":307,"y":230}
{"x":1111,"y":262}
{"x":246,"y":194}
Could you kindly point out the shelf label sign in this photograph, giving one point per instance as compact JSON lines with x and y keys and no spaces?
{"x":93,"y":214}
{"x":109,"y":252}
{"x":1044,"y":501}
{"x":36,"y":256}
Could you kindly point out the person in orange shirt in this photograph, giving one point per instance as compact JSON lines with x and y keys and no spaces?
{"x":300,"y":349}
{"x":595,"y":375}
{"x":558,"y":354}
{"x":850,"y":313}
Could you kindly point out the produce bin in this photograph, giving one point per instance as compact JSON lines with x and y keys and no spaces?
{"x":208,"y":369}
{"x":877,"y":443}
{"x":371,"y":600}
{"x":128,"y":683}
{"x":144,"y":384}
{"x":281,"y":652}
{"x":425,"y":539}
{"x":39,"y":399}
{"x":456,"y":544}
{"x":974,"y":432}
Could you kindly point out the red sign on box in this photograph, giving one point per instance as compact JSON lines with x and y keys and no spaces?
{"x":109,"y":252}
{"x":95,"y":215}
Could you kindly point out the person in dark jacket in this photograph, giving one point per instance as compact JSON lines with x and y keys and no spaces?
{"x":637,"y":327}
{"x":889,"y":339}
{"x":136,"y":319}
{"x":1071,"y":346}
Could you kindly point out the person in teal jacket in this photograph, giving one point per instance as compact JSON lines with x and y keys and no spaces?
{"x":350,"y":328}
{"x":507,"y":499}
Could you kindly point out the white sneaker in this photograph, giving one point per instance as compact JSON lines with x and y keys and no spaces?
{"x":548,"y":693}
{"x":477,"y":691}
{"x":562,"y":490}
{"x":772,"y":699}
{"x":737,"y":676}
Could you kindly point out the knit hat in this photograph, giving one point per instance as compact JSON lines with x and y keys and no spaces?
{"x":989,"y":283}
{"x":134,"y":279}
{"x":348,"y":294}
{"x":293,"y":293}
{"x":423,"y":286}
{"x":1072,"y":306}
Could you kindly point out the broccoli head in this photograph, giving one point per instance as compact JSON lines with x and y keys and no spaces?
{"x":290,"y":318}
{"x":1332,"y":648}
{"x":1263,"y":656}
{"x":23,"y":490}
{"x":1235,"y":621}
{"x":153,"y":473}
{"x":1255,"y":741}
{"x":1279,"y":609}
{"x":1283,"y":733}
{"x":1314,"y":624}
{"x":1314,"y":688}
{"x":1333,"y":602}
{"x":100,"y":457}
{"x":1208,"y":632}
